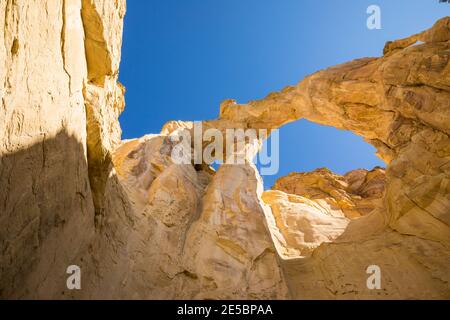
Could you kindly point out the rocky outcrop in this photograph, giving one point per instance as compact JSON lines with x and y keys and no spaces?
{"x":142,"y":226}
{"x":355,"y":194}
{"x":188,"y":233}
{"x":308,"y":209}
{"x":399,"y":103}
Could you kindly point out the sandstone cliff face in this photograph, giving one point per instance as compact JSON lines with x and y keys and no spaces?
{"x":55,"y":116}
{"x":141,"y":226}
{"x":400,"y":104}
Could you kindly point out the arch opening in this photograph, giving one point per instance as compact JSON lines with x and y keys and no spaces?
{"x":305,"y":146}
{"x":327,"y":179}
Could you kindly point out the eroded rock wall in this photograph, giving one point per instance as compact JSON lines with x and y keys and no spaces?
{"x":141,"y":226}
{"x":52,"y":120}
{"x":355,"y":194}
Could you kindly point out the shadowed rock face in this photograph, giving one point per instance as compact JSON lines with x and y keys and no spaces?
{"x":141,"y":226}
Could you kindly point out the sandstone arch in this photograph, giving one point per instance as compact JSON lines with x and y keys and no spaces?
{"x":399,"y":103}
{"x":140,"y":226}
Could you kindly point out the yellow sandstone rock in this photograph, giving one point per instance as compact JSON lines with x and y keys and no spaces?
{"x":141,"y":226}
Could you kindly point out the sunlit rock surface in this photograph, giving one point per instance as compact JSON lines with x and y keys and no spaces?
{"x":141,"y":226}
{"x":355,"y":194}
{"x":312,"y":208}
{"x":57,"y":130}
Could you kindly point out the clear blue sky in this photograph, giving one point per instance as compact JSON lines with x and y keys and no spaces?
{"x":181,"y":58}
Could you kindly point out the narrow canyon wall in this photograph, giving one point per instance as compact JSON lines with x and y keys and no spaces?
{"x":141,"y":226}
{"x":60,"y":102}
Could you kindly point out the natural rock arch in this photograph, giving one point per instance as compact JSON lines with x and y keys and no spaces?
{"x":398,"y":103}
{"x":140,"y":226}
